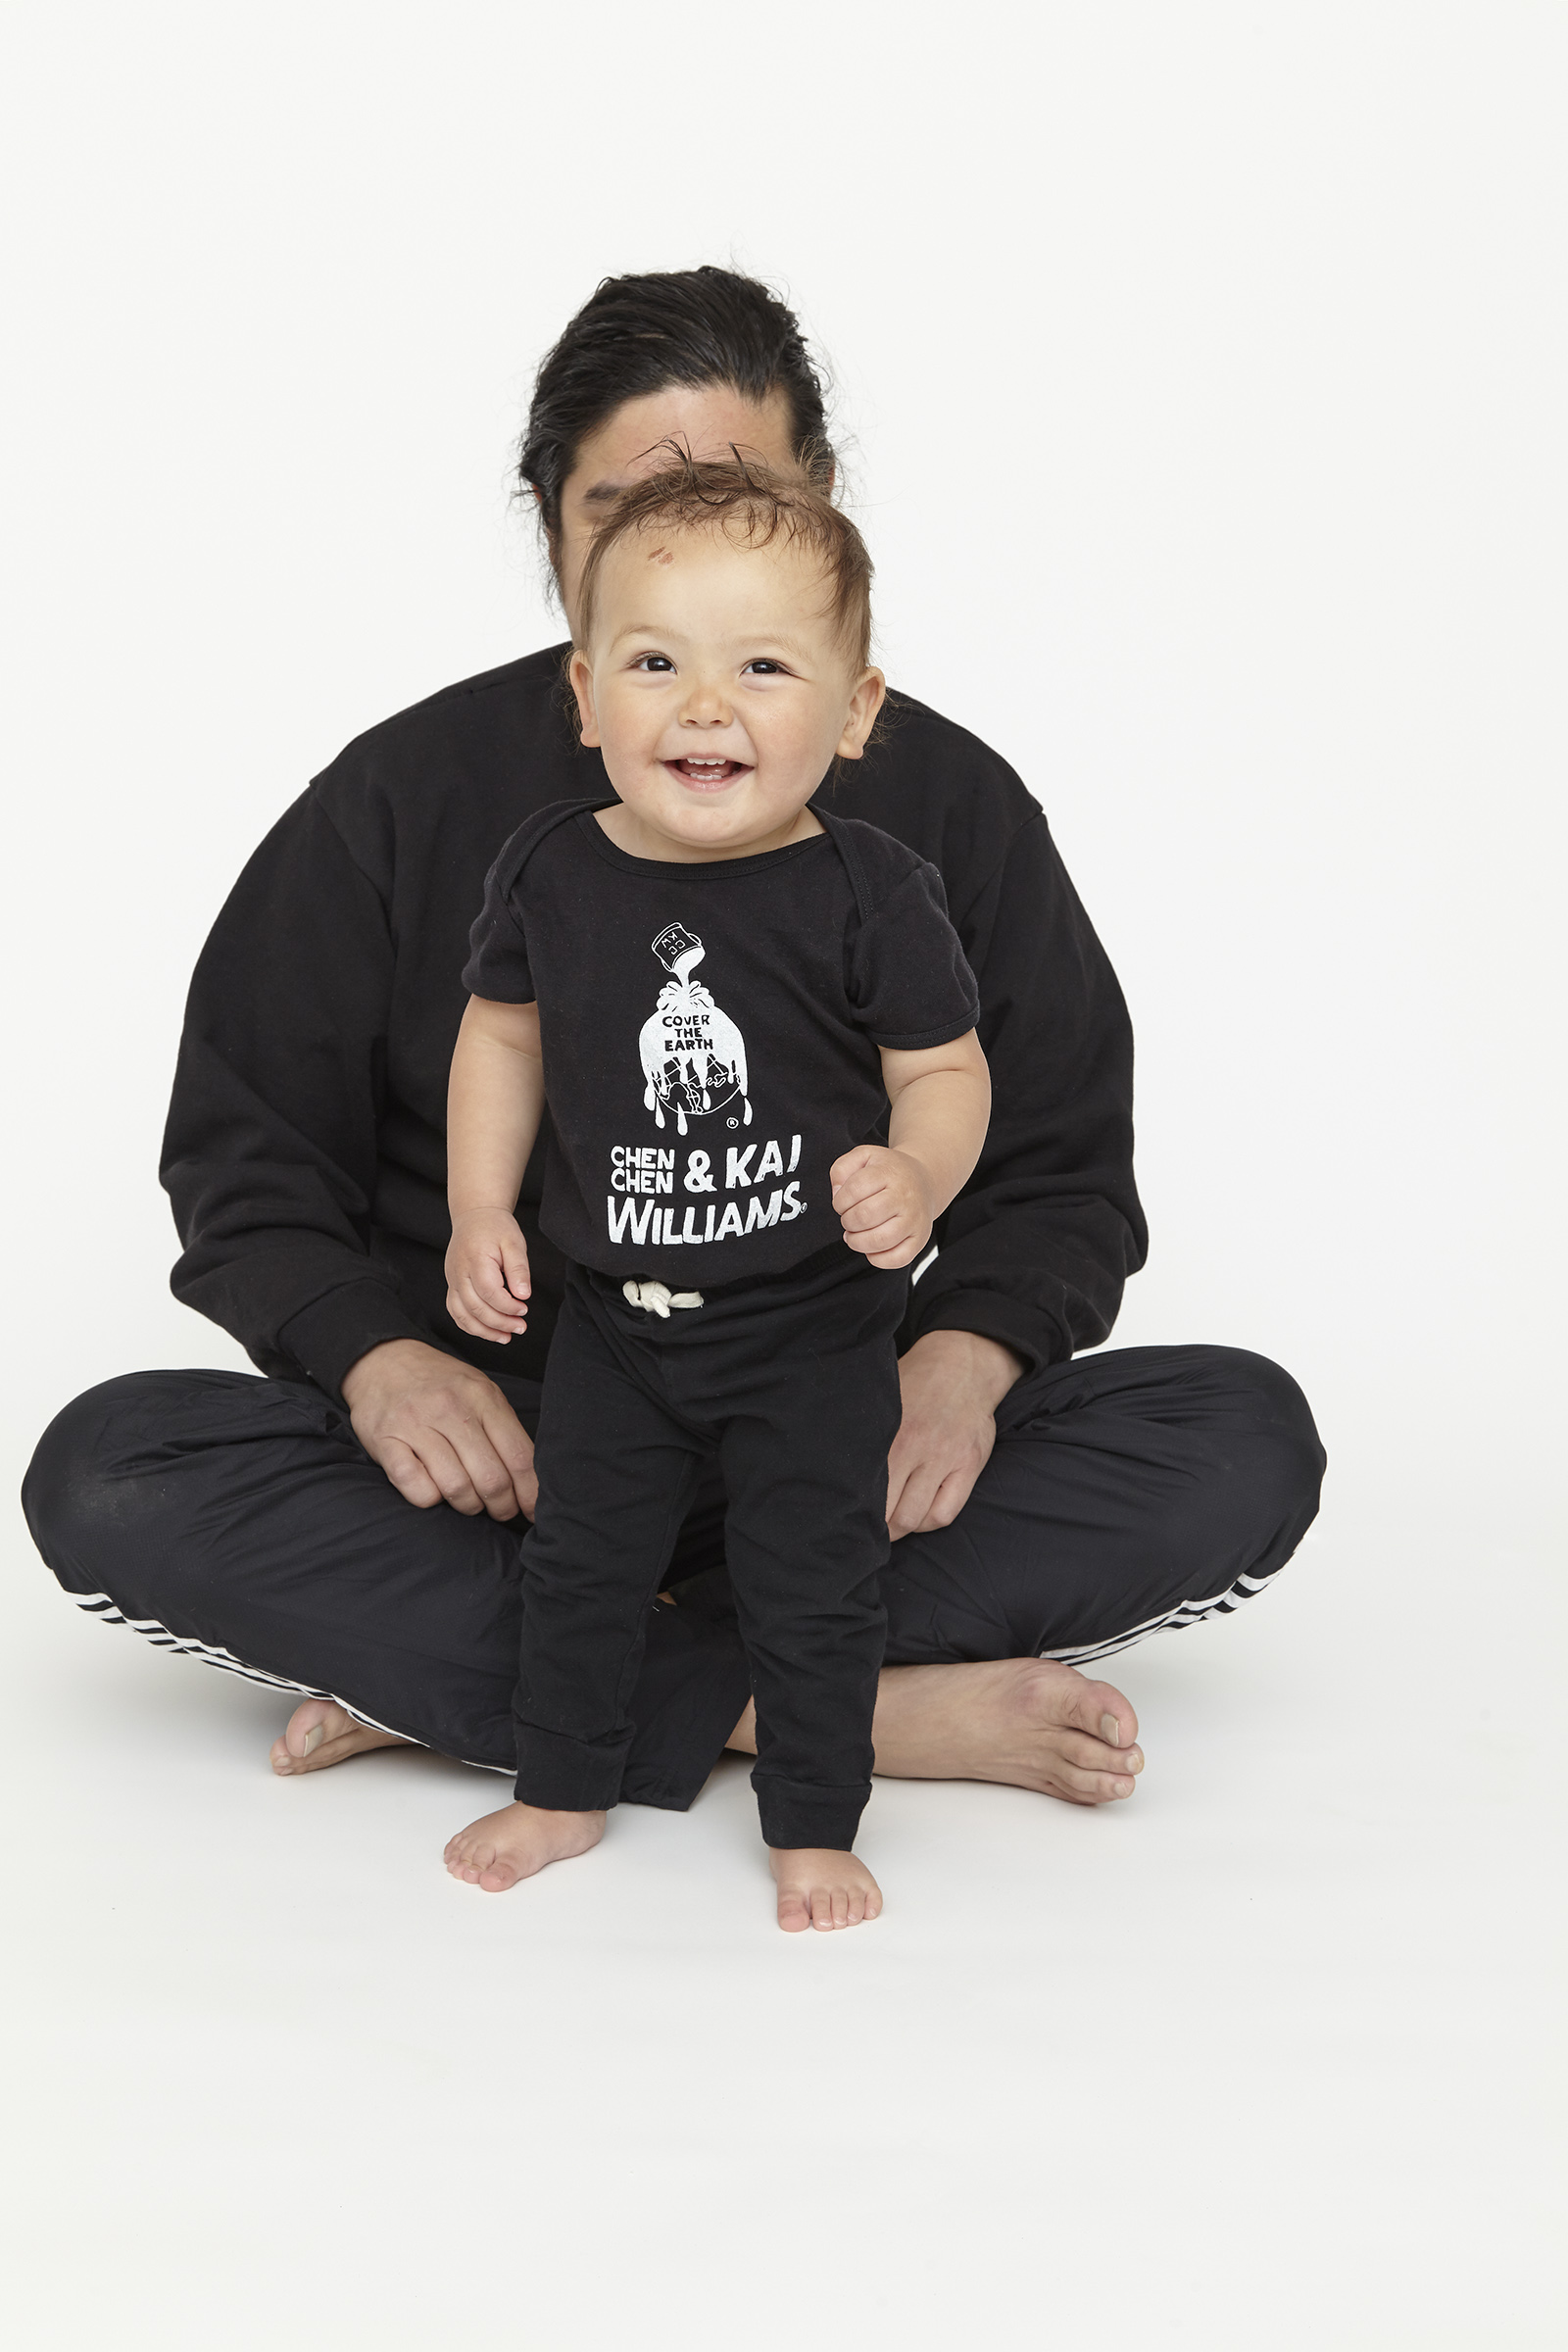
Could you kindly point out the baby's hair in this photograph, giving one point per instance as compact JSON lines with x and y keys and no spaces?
{"x":752,"y":505}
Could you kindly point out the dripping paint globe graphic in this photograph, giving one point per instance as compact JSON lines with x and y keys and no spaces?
{"x":693,"y":1055}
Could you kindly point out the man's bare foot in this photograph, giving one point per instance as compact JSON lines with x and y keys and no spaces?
{"x":496,"y":1852}
{"x":818,"y":1888}
{"x":1029,"y":1723}
{"x":322,"y":1733}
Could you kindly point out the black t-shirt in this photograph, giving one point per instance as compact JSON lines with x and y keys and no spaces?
{"x":711,"y":1031}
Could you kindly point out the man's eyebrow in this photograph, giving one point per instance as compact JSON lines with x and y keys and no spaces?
{"x":603,"y":494}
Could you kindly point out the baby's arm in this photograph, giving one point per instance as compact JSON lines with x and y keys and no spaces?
{"x":495,"y":1100}
{"x":889,"y":1195}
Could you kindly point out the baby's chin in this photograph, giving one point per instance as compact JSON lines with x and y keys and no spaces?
{"x":712,"y":814}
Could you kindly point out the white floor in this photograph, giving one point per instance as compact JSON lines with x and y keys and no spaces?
{"x":1260,"y":2059}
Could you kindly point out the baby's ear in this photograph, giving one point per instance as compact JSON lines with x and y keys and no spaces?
{"x":581,"y":675}
{"x":869,"y":694}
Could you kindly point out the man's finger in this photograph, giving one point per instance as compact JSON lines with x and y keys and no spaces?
{"x":449,"y":1470}
{"x":948,"y":1500}
{"x":508,"y":1436}
{"x":488,"y":1479}
{"x":510,"y":1439}
{"x":408,"y":1474}
{"x":513,"y":1445}
{"x":909,"y":1507}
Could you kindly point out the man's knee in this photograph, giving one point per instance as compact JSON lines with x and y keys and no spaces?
{"x":1269,"y":1445}
{"x":89,"y":1486}
{"x":1284,"y":1419}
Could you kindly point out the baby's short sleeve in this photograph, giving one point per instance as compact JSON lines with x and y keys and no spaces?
{"x":910,"y":985}
{"x":497,"y":953}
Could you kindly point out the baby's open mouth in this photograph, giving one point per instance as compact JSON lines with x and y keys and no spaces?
{"x":708,"y":775}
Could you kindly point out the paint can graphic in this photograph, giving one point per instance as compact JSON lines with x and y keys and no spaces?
{"x":693,"y":1055}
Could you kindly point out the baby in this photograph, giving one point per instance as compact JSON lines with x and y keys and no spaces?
{"x":718,"y":988}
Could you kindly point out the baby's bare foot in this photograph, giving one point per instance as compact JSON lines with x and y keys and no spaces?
{"x":820,"y":1887}
{"x":496,"y":1852}
{"x":322,"y":1733}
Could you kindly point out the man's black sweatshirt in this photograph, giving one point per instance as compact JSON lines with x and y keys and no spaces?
{"x":305,"y":1152}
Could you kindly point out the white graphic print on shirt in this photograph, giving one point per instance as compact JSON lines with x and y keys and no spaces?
{"x":694,"y":1058}
{"x":694,"y":1062}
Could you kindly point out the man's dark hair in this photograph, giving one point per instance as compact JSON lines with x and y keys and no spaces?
{"x":636,"y":336}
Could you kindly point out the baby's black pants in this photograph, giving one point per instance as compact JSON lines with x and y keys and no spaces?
{"x":792,"y":1384}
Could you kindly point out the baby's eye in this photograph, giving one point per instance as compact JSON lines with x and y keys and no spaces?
{"x":765,"y":668}
{"x":654,"y":663}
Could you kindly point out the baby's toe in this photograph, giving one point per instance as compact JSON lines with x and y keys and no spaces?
{"x":469,"y":1857}
{"x":794,"y":1911}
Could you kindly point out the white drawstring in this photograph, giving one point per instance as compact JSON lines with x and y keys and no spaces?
{"x":657,"y":1298}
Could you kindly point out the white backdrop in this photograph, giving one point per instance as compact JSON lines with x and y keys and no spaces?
{"x":1201,"y":375}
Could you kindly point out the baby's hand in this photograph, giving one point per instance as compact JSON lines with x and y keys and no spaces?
{"x":884,"y":1198}
{"x":487,"y":1275}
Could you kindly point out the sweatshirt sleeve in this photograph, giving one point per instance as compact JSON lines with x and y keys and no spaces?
{"x":910,"y":984}
{"x":1036,"y":1249}
{"x":270,"y":1153}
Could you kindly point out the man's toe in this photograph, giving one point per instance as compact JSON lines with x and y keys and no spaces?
{"x":1107,"y":1715}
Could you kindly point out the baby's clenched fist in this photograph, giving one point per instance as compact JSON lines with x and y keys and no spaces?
{"x":487,"y":1275}
{"x":884,"y":1200}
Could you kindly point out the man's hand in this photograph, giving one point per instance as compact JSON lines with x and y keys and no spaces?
{"x":884,"y":1201}
{"x":441,"y":1431}
{"x":952,"y":1382}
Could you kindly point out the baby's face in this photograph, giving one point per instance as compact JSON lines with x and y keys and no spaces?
{"x":718,"y":689}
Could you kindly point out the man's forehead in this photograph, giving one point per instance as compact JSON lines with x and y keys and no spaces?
{"x":606,"y":488}
{"x":704,"y":420}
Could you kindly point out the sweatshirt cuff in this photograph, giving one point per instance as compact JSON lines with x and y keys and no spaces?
{"x":328,"y":1338}
{"x":1033,"y":1338}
